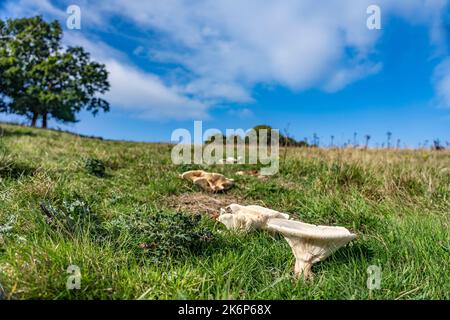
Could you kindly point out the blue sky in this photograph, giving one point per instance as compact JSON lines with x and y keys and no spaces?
{"x":314,"y":68}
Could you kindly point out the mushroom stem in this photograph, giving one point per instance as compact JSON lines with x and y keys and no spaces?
{"x":303,"y":267}
{"x":303,"y":259}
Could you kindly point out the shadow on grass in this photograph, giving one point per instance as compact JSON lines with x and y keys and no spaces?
{"x":356,"y":251}
{"x":16,"y":132}
{"x":13,"y":170}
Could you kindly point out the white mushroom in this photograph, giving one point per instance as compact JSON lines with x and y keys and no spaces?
{"x":243,"y":221}
{"x":248,"y":218}
{"x":252,"y":173}
{"x":230,"y":160}
{"x":213,"y":182}
{"x":310,"y":243}
{"x":269,"y":212}
{"x":191,"y":175}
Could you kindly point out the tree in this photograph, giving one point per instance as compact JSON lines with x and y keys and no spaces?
{"x":41,"y":79}
{"x":284,"y":139}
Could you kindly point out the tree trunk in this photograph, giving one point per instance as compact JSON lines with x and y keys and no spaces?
{"x":34,"y":119}
{"x":44,"y":120}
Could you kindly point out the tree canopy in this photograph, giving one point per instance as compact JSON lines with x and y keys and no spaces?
{"x":39,"y":78}
{"x":284,"y":140}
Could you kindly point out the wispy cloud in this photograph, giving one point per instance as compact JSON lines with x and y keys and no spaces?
{"x":241,"y":113}
{"x":442,"y":84}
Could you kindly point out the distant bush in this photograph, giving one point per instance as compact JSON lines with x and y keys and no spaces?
{"x":165,"y":234}
{"x":95,"y":167}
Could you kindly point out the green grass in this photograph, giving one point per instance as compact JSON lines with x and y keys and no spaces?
{"x":396,"y":201}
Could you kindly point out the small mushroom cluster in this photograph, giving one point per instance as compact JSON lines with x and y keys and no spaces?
{"x":310,"y":243}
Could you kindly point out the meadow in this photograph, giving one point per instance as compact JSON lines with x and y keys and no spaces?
{"x":120,"y":212}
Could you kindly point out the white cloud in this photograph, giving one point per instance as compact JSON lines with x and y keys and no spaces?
{"x":344,"y":76}
{"x":208,"y":89}
{"x":228,"y":46}
{"x":147,"y":97}
{"x":141,"y":93}
{"x":442,"y":84}
{"x":21,"y":8}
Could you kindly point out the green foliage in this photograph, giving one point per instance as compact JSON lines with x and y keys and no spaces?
{"x":165,"y":234}
{"x":8,"y":226}
{"x":72,"y":217}
{"x":95,"y":167}
{"x":284,"y":140}
{"x":41,"y":79}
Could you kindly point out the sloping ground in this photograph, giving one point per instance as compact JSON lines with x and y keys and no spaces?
{"x":397,"y":202}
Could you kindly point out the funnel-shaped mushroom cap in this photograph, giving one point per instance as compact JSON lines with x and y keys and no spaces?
{"x":269,"y":212}
{"x":213,"y":182}
{"x":191,"y":175}
{"x":310,"y":243}
{"x":243,"y":221}
{"x":254,"y":209}
{"x":248,"y":218}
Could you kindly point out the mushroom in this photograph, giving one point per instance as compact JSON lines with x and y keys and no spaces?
{"x":243,"y":221}
{"x":252,"y":173}
{"x":246,"y":218}
{"x":269,"y":212}
{"x":230,"y":160}
{"x":213,"y":182}
{"x":310,"y":243}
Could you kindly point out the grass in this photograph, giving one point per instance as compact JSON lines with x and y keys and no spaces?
{"x":396,"y":201}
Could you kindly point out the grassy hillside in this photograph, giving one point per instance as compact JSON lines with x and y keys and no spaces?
{"x":118,"y":228}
